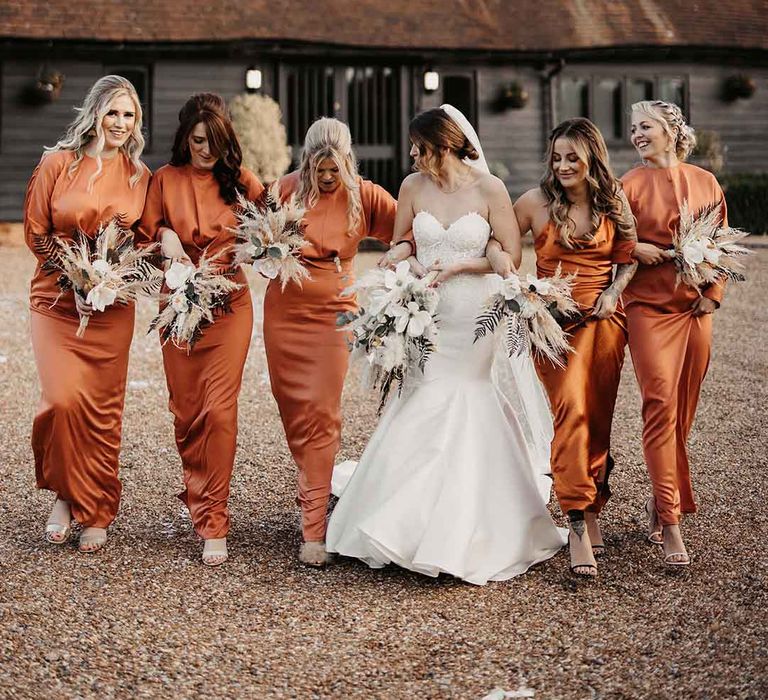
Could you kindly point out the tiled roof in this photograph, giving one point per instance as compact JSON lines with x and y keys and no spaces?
{"x":501,"y":25}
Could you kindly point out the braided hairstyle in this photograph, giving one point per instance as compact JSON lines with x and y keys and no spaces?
{"x":671,"y":118}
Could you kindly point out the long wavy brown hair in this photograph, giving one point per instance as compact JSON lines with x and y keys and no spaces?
{"x":211,"y":110}
{"x":434,"y":133}
{"x":604,"y":187}
{"x":330,"y":138}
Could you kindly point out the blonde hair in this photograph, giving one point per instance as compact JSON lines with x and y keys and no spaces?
{"x":671,"y":118}
{"x":330,"y":138}
{"x":605,"y":198}
{"x":86,"y":128}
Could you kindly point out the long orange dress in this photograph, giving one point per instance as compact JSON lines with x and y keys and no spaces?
{"x":306,"y":354}
{"x":670,"y":347}
{"x":204,"y":385}
{"x":76,"y":432}
{"x":582,"y":396}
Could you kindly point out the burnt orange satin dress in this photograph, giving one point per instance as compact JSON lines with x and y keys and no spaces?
{"x":670,"y":347}
{"x":582,"y":396}
{"x":306,"y":354}
{"x":204,"y":384}
{"x":76,"y":432}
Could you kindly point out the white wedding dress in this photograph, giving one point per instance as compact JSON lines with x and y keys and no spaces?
{"x":449,"y":481}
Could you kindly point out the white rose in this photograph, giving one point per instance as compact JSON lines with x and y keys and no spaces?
{"x":178,"y":274}
{"x":269,"y":267}
{"x":510,"y":287}
{"x":101,"y":296}
{"x":102,"y":267}
{"x":693,"y":253}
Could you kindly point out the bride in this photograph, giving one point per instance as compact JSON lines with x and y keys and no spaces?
{"x":452,"y":478}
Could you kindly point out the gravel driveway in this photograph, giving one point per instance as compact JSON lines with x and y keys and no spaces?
{"x":144,"y":619}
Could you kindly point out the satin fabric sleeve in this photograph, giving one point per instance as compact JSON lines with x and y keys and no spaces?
{"x":153,"y":216}
{"x":252,"y":184}
{"x":380,"y":209}
{"x":716,"y":291}
{"x":37,"y":202}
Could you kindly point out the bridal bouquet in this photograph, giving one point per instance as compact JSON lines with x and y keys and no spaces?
{"x":396,"y":326}
{"x":102,"y":270}
{"x":269,"y":234}
{"x":534,"y":310}
{"x":703,"y":250}
{"x":196,"y":293}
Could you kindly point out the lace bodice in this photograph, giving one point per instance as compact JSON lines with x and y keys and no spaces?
{"x":464,"y":238}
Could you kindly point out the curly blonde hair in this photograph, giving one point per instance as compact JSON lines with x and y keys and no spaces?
{"x":604,"y":188}
{"x":330,"y":138}
{"x":86,"y":128}
{"x":434,"y":134}
{"x":671,"y":118}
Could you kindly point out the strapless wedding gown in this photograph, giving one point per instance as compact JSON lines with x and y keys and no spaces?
{"x":447,"y":482}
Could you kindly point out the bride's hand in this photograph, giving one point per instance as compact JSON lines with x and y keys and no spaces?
{"x":416,"y":267}
{"x":396,"y":254}
{"x":444,"y":272}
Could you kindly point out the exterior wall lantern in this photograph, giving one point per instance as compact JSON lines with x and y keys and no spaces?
{"x":431,"y":80}
{"x":253,"y":79}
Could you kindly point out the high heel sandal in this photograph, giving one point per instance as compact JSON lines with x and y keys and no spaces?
{"x":55,"y":528}
{"x":654,"y":536}
{"x":314,"y":554}
{"x":92,"y":539}
{"x":215,"y":552}
{"x":576,"y":517}
{"x":669,"y":561}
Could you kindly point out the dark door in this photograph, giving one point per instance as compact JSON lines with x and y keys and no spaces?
{"x":368,"y":98}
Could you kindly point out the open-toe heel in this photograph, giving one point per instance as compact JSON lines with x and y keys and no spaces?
{"x":215,"y":552}
{"x":55,"y":531}
{"x":654,"y":535}
{"x":578,"y":528}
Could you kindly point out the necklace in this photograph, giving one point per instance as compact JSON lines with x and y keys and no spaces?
{"x":460,"y":184}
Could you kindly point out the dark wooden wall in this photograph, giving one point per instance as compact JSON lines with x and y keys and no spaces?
{"x":514,"y":138}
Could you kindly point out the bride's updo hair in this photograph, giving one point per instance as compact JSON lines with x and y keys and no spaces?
{"x":435,"y":134}
{"x":671,"y":118}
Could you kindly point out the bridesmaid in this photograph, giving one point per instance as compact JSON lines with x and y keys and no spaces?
{"x":306,"y":354}
{"x":191,"y":209}
{"x":92,"y":175}
{"x":580,"y":221}
{"x":670,"y":328}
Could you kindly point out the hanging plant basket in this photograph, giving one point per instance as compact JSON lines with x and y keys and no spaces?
{"x":738,"y":87}
{"x":46,"y":88}
{"x":511,"y":96}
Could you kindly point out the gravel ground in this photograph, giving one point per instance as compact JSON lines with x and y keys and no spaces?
{"x":144,"y":618}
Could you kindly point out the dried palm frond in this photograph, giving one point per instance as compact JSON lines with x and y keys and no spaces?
{"x":270,"y":236}
{"x":533,"y":311}
{"x":103,"y":270}
{"x":197,"y":295}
